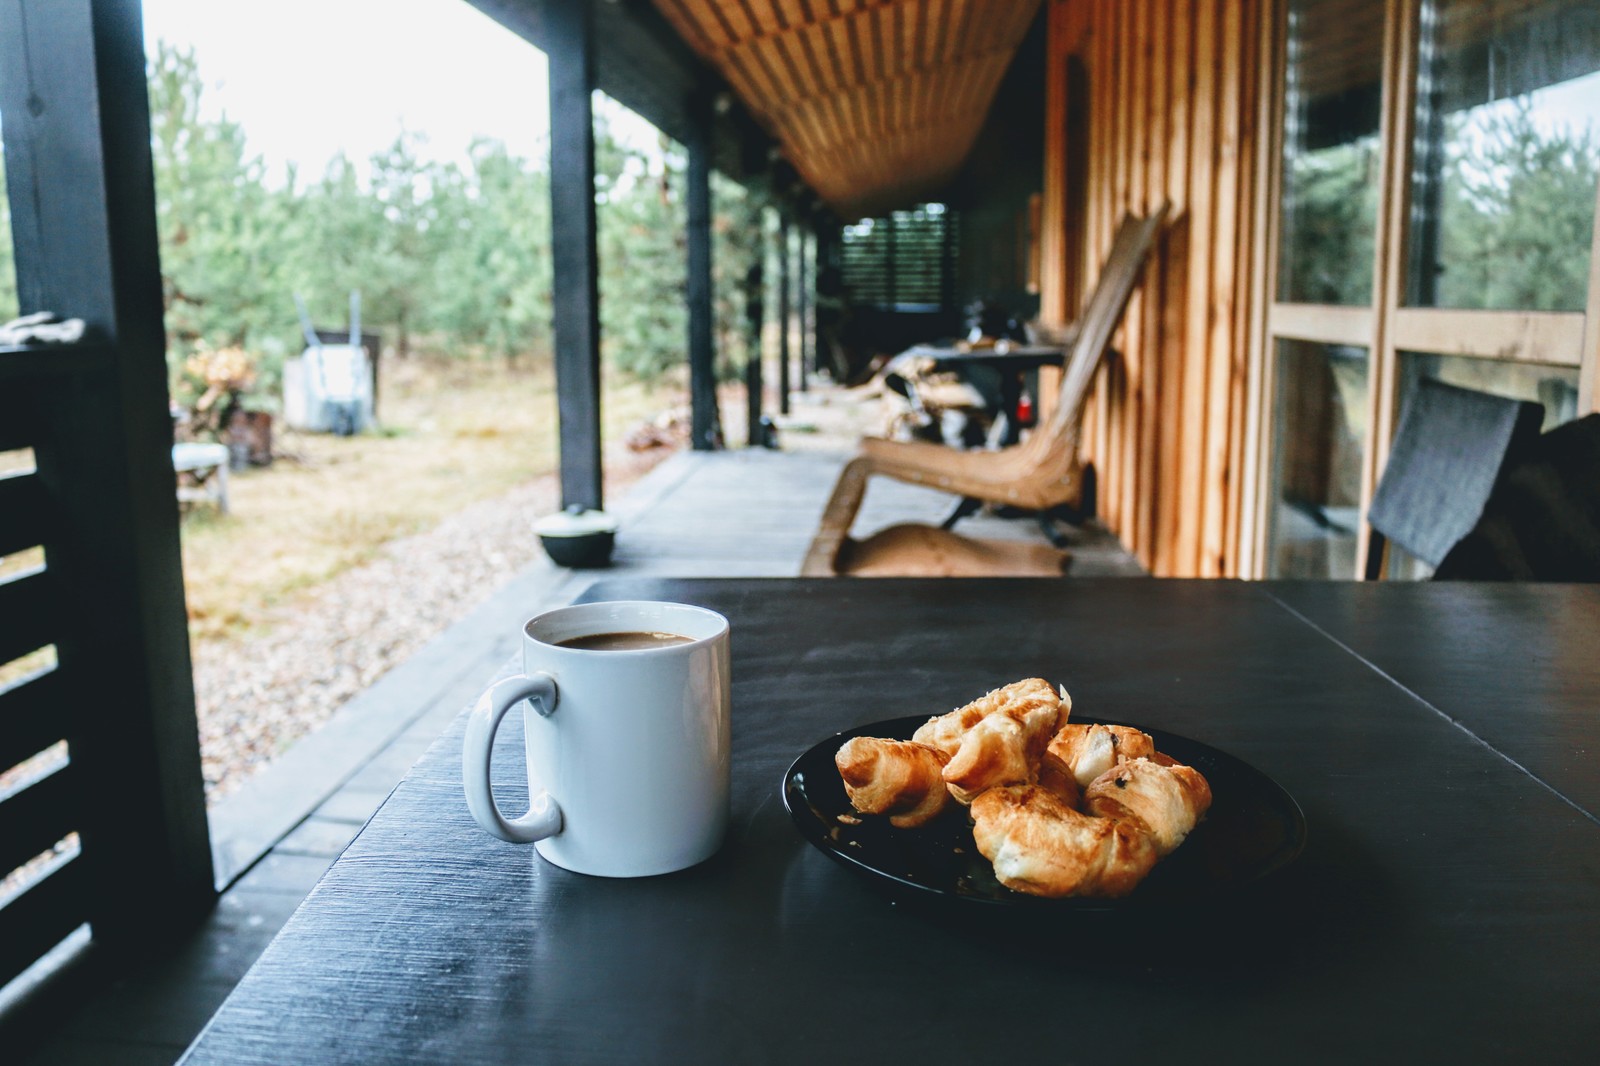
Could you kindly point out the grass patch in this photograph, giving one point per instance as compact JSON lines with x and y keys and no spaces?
{"x":452,"y":433}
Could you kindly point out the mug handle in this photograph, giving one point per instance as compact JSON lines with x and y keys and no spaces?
{"x":544,"y":816}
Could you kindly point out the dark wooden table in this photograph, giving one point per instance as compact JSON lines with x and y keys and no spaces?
{"x":1441,"y":740}
{"x":1011,"y":364}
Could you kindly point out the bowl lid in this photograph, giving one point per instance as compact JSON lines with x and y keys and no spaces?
{"x":575,"y":521}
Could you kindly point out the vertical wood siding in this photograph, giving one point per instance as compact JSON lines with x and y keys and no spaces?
{"x":1171,"y":92}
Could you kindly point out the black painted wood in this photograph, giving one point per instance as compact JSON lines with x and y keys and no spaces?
{"x":33,"y":819}
{"x":1469,"y":649}
{"x":802,"y":315}
{"x":73,"y":89}
{"x":30,"y":614}
{"x":1445,"y":907}
{"x":705,"y":433}
{"x":29,"y":716}
{"x":52,"y":147}
{"x":785,"y":280}
{"x":24,"y":514}
{"x":755,"y":331}
{"x":576,"y":289}
{"x":41,"y":917}
{"x":827,"y":298}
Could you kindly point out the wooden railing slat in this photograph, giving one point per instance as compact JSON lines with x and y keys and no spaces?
{"x":31,"y":717}
{"x":41,"y":918}
{"x":33,"y":820}
{"x":28,"y":615}
{"x":24,"y":513}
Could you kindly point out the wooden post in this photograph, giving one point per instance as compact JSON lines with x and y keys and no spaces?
{"x":802,"y":299}
{"x":706,"y":434}
{"x":755,"y":316}
{"x":576,"y":295}
{"x":784,"y":282}
{"x":73,"y":90}
{"x":824,"y":300}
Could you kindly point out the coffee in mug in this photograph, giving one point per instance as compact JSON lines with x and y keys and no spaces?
{"x":627,"y":738}
{"x":624,"y":641}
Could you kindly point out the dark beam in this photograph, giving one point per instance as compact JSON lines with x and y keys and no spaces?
{"x":706,"y":434}
{"x":576,"y":291}
{"x":642,"y":63}
{"x":784,"y":281}
{"x":828,"y":300}
{"x":755,"y":323}
{"x":802,"y":299}
{"x":77,"y":133}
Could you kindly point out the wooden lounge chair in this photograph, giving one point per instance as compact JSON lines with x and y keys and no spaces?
{"x":1041,"y":473}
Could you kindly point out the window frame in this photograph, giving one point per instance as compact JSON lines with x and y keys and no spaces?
{"x":1387,"y":326}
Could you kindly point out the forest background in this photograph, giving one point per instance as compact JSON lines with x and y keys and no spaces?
{"x":452,"y":260}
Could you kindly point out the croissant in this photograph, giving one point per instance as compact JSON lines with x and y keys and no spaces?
{"x":1041,"y":846}
{"x":1164,"y":801}
{"x":1091,"y":750}
{"x":998,"y":739}
{"x":895,"y":777}
{"x":1034,"y":702}
{"x":1056,"y":778}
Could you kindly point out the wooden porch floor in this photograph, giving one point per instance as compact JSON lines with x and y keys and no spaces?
{"x":724,"y":514}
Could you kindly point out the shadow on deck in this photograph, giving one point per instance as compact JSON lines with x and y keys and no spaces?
{"x":722,"y":514}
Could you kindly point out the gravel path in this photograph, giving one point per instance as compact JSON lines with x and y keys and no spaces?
{"x":258,"y":694}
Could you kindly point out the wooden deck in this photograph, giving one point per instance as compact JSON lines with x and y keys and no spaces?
{"x":723,"y":514}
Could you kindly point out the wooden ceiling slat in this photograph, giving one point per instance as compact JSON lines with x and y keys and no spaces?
{"x":744,"y":19}
{"x":838,"y":41}
{"x":792,"y":59}
{"x":870,"y":99}
{"x":688,"y":25}
{"x":813,"y":45}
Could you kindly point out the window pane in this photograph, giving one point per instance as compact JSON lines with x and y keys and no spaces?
{"x":900,"y":260}
{"x":1320,"y":435}
{"x":1332,"y":97}
{"x":1506,"y":155}
{"x":1554,"y":386}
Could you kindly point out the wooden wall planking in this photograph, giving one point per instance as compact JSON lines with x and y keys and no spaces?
{"x":1172,"y":114}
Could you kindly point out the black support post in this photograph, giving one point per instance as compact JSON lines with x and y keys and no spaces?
{"x":755,"y":322}
{"x":803,"y":302}
{"x":574,"y":251}
{"x":77,"y":132}
{"x":705,"y":428}
{"x":825,"y":307}
{"x":784,"y":324}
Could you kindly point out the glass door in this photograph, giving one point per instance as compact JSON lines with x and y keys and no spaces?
{"x":1437,"y":188}
{"x":1321,"y":319}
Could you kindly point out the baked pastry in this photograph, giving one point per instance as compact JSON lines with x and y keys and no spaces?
{"x":999,"y":738}
{"x":1033,"y":702}
{"x":1041,"y":846}
{"x":1162,"y":801}
{"x":1055,"y":777}
{"x":899,"y":778}
{"x":1091,"y":750}
{"x":1059,"y":809}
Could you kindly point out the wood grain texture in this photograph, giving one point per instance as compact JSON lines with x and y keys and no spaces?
{"x":874,"y":104}
{"x":1411,"y":908}
{"x":1172,"y":113}
{"x":72,"y":83}
{"x":1526,"y":639}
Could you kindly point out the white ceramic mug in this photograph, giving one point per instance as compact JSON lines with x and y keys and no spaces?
{"x":628,"y":751}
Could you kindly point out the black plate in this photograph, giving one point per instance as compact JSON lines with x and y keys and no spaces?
{"x":1253,"y":828}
